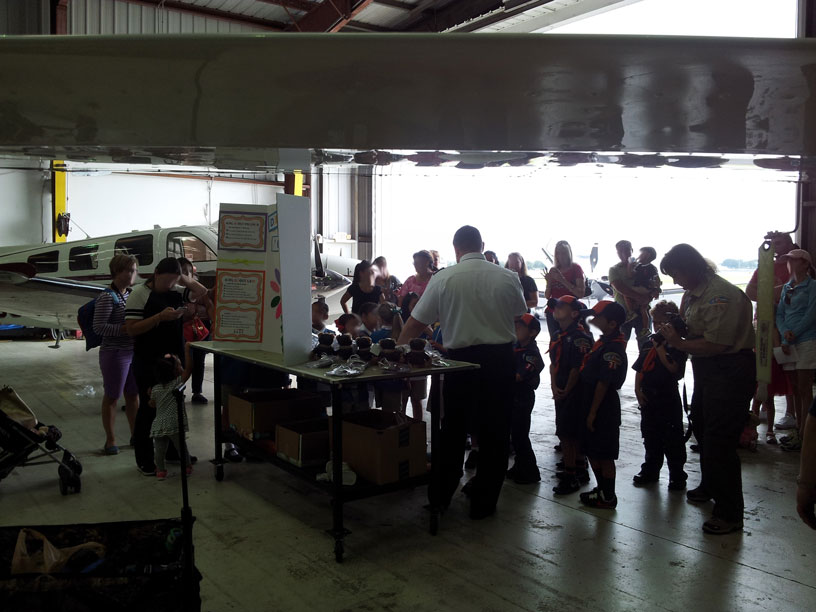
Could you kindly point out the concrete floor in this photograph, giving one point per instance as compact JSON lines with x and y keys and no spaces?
{"x":261,"y":545}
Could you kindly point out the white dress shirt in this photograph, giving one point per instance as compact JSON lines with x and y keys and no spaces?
{"x":475,"y":301}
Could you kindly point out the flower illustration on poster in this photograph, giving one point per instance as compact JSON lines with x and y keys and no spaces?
{"x":276,"y":299}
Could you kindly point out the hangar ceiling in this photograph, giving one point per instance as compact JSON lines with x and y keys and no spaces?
{"x":359,"y":15}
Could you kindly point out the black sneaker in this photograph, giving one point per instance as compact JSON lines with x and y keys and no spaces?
{"x":677,"y":485}
{"x":472,"y":459}
{"x":198,"y":399}
{"x":524,"y":479}
{"x":567,"y":486}
{"x":511,"y":473}
{"x":698,"y":495}
{"x":146,"y":471}
{"x":588,"y":494}
{"x":581,"y":475}
{"x":641,"y":480}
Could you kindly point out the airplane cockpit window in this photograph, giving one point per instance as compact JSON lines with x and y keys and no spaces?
{"x":45,"y":262}
{"x":181,"y":244}
{"x":140,"y":247}
{"x":83,"y":257}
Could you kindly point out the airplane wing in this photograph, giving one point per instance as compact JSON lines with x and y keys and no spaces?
{"x":41,"y":301}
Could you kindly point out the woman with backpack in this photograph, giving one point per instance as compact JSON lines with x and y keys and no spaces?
{"x":565,"y":278}
{"x":116,"y":350}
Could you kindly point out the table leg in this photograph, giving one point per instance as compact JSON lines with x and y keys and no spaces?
{"x":338,"y":531}
{"x":218,"y":461}
{"x":435,"y":485}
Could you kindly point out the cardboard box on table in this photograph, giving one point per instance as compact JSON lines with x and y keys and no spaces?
{"x":303,"y":443}
{"x":384,"y":447}
{"x":256,"y":415}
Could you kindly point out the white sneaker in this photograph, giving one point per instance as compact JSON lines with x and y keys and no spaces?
{"x":786,"y":422}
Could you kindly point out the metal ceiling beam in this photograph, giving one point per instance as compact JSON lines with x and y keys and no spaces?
{"x":574,"y":12}
{"x":330,"y":16}
{"x":203,"y":11}
{"x":404,"y":6}
{"x":454,"y":14}
{"x":498,"y":16}
{"x":360,"y":26}
{"x":299,"y":5}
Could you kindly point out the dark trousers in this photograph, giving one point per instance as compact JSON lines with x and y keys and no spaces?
{"x":487,"y":394}
{"x":641,"y":331}
{"x":523,"y":402}
{"x":142,"y":443}
{"x":198,"y":369}
{"x":723,"y":387}
{"x":661,"y":423}
{"x":553,"y":327}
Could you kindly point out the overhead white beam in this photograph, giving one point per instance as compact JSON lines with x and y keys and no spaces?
{"x":564,"y":15}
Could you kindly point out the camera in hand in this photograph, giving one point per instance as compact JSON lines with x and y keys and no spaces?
{"x":677,"y":323}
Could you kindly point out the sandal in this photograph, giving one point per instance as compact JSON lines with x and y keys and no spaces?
{"x":770,"y":438}
{"x":111,"y":450}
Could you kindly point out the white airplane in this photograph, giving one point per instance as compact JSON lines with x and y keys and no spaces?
{"x":43,"y":285}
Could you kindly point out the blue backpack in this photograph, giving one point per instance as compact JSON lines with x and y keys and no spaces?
{"x":85,"y":318}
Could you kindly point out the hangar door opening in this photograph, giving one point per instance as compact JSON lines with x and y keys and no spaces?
{"x":723,"y":212}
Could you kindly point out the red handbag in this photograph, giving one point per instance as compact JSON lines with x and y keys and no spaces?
{"x":195,"y":330}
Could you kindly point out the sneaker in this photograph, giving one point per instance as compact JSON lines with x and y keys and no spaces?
{"x":189,"y":469}
{"x":587,"y":494}
{"x":112,"y":450}
{"x":770,"y":438}
{"x":524,"y":479}
{"x":794,"y":445}
{"x":718,"y":526}
{"x":596,"y":499}
{"x":198,"y":399}
{"x":146,"y":471}
{"x":786,"y":422}
{"x":161,"y":475}
{"x":567,"y":486}
{"x":581,"y":475}
{"x":698,"y":495}
{"x":472,"y":459}
{"x":677,"y":485}
{"x":641,"y":480}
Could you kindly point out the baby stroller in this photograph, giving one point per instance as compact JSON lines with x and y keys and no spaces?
{"x":21,"y":435}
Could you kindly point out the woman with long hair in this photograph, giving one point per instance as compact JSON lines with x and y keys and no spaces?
{"x":565,"y":278}
{"x":363,"y":288}
{"x":516,"y":263}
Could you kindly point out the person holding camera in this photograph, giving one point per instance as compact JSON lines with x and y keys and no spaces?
{"x":720,"y":340}
{"x":661,"y":409}
{"x":632,"y":298}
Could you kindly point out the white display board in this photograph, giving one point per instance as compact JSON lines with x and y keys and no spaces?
{"x":263,"y":282}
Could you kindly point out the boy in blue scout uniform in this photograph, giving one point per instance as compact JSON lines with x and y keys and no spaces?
{"x":602,"y":374}
{"x":567,"y":351}
{"x":661,"y":409}
{"x":528,"y":368}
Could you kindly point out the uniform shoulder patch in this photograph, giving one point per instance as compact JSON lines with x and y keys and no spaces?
{"x":582,"y":344}
{"x":613,"y":359}
{"x":719,"y":300}
{"x":530,"y":358}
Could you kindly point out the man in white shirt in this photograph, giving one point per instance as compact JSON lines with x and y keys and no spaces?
{"x":476,"y":304}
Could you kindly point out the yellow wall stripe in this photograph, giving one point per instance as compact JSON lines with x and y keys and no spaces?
{"x":60,"y":196}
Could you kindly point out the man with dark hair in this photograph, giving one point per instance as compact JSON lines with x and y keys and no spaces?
{"x":477,"y":304}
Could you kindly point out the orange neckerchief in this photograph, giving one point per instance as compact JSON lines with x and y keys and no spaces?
{"x":599,"y":343}
{"x":650,"y":362}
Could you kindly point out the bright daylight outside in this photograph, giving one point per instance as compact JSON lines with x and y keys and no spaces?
{"x":724,"y":212}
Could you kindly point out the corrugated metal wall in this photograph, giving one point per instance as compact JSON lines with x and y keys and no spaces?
{"x":345,"y":204}
{"x":24,"y":17}
{"x":119,"y":17}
